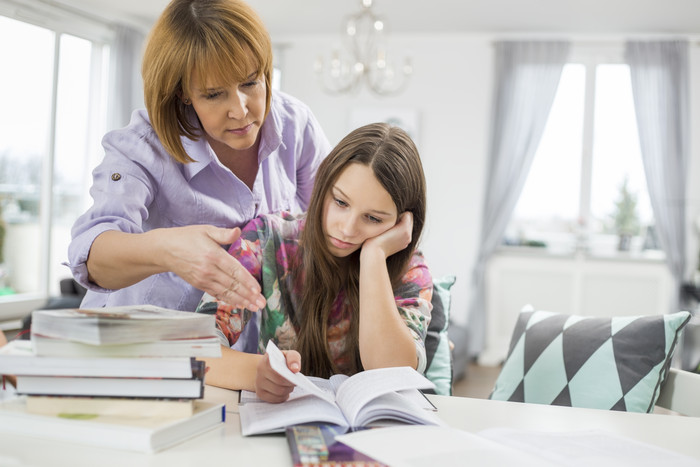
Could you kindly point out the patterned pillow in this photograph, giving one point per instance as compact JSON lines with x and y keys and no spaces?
{"x":437,"y":345}
{"x":616,"y":363}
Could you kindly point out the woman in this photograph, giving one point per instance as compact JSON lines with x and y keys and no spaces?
{"x":345,"y":288}
{"x":214,"y":148}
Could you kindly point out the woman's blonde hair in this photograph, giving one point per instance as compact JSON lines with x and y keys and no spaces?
{"x":394,"y":160}
{"x":222,"y":40}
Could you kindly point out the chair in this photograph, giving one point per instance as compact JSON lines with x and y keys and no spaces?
{"x":680,"y":393}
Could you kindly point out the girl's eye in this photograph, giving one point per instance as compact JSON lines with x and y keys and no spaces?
{"x":340,"y":202}
{"x":374,"y":220}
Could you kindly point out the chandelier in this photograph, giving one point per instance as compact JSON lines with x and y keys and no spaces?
{"x":364,"y":60}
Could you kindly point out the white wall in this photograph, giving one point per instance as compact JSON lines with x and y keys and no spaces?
{"x":451,"y":88}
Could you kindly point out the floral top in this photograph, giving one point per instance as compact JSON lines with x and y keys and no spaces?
{"x":266,"y":248}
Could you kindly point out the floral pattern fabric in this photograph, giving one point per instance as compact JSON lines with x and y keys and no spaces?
{"x":266,"y":248}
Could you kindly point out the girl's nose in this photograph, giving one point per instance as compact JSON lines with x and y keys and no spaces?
{"x":349,"y":227}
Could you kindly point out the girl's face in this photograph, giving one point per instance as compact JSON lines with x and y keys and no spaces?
{"x":356,"y":208}
{"x":231,"y":115}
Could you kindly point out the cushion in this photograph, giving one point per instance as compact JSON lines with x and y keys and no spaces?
{"x":437,"y":345}
{"x":613,"y":363}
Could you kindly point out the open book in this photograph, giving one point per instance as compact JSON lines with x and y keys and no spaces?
{"x":386,"y":394}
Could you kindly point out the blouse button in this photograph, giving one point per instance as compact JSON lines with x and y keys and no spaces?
{"x":116,"y":177}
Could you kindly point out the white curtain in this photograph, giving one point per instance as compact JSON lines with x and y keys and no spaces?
{"x":527,"y":77}
{"x":126,"y":88}
{"x":659,"y":71}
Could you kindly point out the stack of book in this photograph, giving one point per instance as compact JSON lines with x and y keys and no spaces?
{"x":119,"y":368}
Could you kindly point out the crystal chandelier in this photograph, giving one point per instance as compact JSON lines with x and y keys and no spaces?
{"x":364,"y":60}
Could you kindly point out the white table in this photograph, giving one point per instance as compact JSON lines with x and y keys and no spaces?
{"x":225,"y":445}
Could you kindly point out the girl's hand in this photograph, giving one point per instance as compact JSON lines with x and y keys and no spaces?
{"x":270,"y":386}
{"x":395,"y":239}
{"x":195,"y":254}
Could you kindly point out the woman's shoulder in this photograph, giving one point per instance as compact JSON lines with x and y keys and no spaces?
{"x":288,"y":109}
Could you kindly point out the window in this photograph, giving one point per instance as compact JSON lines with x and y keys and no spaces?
{"x":586,"y":189}
{"x":50,"y":127}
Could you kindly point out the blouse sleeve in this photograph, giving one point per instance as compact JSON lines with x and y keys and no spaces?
{"x":413,"y":300}
{"x":231,"y":322}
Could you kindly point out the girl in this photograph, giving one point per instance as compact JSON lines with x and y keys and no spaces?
{"x":345,"y":288}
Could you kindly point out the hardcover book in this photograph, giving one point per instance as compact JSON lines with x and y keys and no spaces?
{"x":117,"y":406}
{"x":122,"y":324}
{"x":380,"y":395}
{"x":192,"y":347}
{"x":143,"y":434}
{"x":18,"y":358}
{"x":315,"y":445}
{"x":185,"y":388}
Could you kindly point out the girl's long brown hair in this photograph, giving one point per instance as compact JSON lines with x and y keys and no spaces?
{"x":394,"y":159}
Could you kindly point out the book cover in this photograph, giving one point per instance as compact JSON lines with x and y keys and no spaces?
{"x":122,"y":324}
{"x":142,"y":434}
{"x":371,"y":396}
{"x":18,"y":358}
{"x":315,"y":445}
{"x":119,"y":406}
{"x":192,"y":347}
{"x":186,"y":388}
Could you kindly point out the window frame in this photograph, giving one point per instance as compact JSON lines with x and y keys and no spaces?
{"x":590,"y":55}
{"x":101,"y":35}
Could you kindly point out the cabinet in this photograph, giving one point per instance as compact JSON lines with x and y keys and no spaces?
{"x":574,"y":284}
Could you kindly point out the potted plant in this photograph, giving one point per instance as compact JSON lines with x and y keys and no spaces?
{"x":625,"y":217}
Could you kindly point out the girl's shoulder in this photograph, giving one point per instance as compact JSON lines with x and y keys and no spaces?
{"x":283,"y":225}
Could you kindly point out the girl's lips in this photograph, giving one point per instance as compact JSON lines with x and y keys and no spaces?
{"x":341,"y":244}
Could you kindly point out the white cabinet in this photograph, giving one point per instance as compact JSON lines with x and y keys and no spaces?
{"x":574,"y":284}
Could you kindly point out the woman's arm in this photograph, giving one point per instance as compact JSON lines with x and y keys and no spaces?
{"x":385,"y":340}
{"x":119,"y":259}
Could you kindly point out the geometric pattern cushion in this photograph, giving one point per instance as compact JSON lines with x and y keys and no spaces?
{"x":437,"y":344}
{"x":616,"y":363}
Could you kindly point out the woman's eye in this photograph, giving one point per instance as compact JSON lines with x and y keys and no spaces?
{"x":249,"y":84}
{"x":212,"y":95}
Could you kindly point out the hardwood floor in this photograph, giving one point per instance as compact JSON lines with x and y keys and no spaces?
{"x":477,"y":382}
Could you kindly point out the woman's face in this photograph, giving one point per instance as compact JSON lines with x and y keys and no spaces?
{"x":356,"y":208}
{"x":231,"y":115}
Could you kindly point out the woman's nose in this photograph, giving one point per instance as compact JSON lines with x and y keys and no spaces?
{"x":237,"y":107}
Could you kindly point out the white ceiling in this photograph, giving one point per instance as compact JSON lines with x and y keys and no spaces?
{"x":433,"y":16}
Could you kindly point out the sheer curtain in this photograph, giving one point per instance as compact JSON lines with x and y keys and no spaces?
{"x":659,"y":71}
{"x":126,"y":89}
{"x":527,"y":77}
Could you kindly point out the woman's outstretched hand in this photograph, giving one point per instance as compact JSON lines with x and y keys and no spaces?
{"x":270,"y":386}
{"x":395,"y":239}
{"x":195,"y":254}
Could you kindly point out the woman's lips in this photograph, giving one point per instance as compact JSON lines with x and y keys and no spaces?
{"x":242,"y":130}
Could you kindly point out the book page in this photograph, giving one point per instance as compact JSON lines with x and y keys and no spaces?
{"x":279,"y":363}
{"x":588,"y":447}
{"x":270,"y":418}
{"x":396,"y":407}
{"x":323,"y":384}
{"x":362,"y":387}
{"x":430,"y":446}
